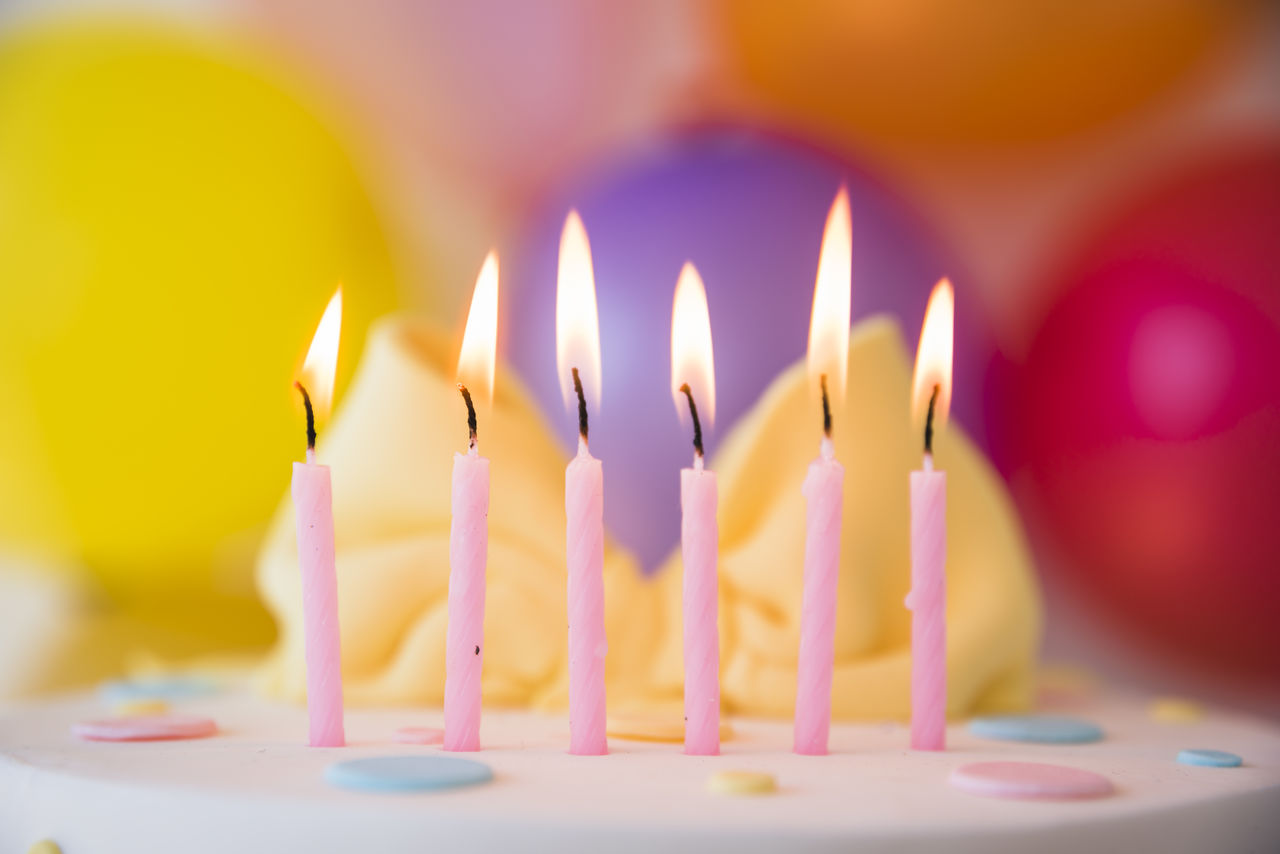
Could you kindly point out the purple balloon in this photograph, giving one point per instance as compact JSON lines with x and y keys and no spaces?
{"x":748,"y":209}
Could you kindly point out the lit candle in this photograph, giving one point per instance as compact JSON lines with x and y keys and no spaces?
{"x":693,"y":381}
{"x":469,"y":527}
{"x":931,"y":401}
{"x":313,"y":508}
{"x":828,"y":363}
{"x":578,"y":364}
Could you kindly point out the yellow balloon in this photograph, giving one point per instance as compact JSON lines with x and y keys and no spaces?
{"x":172,"y":224}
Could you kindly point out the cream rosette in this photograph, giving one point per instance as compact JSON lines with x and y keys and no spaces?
{"x":993,"y":605}
{"x":391,"y":448}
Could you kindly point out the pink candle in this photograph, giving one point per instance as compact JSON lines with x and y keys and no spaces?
{"x":698,"y":550}
{"x":828,"y":358}
{"x":584,"y":510}
{"x":931,"y":399}
{"x":313,"y":509}
{"x":928,"y":604}
{"x":578,"y":355}
{"x":468,"y":555}
{"x":824,"y":497}
{"x":469,"y":526}
{"x":693,"y":380}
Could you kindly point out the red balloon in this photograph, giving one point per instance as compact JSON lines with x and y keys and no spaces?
{"x":1145,"y":422}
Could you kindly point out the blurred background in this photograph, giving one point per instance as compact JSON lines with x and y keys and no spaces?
{"x":184,"y":182}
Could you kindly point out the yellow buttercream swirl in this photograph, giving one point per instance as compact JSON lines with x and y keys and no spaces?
{"x":391,"y":450}
{"x":993,"y":606}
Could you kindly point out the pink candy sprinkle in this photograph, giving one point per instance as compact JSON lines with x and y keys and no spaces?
{"x":419,"y":735}
{"x":145,"y":728}
{"x":1029,"y":780}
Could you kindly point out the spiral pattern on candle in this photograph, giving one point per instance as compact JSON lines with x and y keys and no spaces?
{"x":313,"y":509}
{"x":584,"y":509}
{"x":464,"y":641}
{"x":928,"y":604}
{"x":699,"y":536}
{"x":824,"y":495}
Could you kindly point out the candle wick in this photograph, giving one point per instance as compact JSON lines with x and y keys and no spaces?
{"x":928,"y":423}
{"x":471,"y":417}
{"x":582,"y":406}
{"x":826,"y":407}
{"x":697,"y":425}
{"x":311,"y":421}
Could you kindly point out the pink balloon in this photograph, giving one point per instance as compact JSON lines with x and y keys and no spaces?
{"x":513,"y":93}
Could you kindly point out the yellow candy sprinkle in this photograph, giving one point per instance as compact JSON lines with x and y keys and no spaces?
{"x":138,"y":708}
{"x":653,"y":727}
{"x":1066,"y":681}
{"x":45,"y":846}
{"x":1173,"y":710}
{"x":741,"y":783}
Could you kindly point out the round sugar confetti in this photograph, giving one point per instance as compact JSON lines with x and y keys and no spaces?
{"x":133,"y":708}
{"x":45,"y":846}
{"x":157,"y":688}
{"x":1210,"y":758}
{"x":407,"y":773}
{"x":1042,"y":729}
{"x":1063,"y":684}
{"x":654,"y":727}
{"x":419,"y":735}
{"x":1029,"y":780}
{"x":145,"y":728}
{"x":1171,"y":710}
{"x":742,"y":783}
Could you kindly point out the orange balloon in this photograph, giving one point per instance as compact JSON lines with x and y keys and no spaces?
{"x":946,"y":72}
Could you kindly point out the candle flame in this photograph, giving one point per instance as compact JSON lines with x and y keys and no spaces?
{"x":480,"y":340}
{"x":829,"y":323}
{"x":322,"y":358}
{"x":691,"y":358}
{"x":933,"y":357}
{"x":577,"y":323}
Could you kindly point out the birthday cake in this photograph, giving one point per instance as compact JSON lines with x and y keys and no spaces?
{"x":214,"y":768}
{"x":193,"y":766}
{"x":254,"y":786}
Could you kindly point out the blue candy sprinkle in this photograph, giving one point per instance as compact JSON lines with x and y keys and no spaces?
{"x":1210,"y":758}
{"x":157,"y":688}
{"x":1042,"y":729}
{"x":407,"y":773}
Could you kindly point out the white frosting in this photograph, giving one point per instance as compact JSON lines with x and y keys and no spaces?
{"x":258,"y":789}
